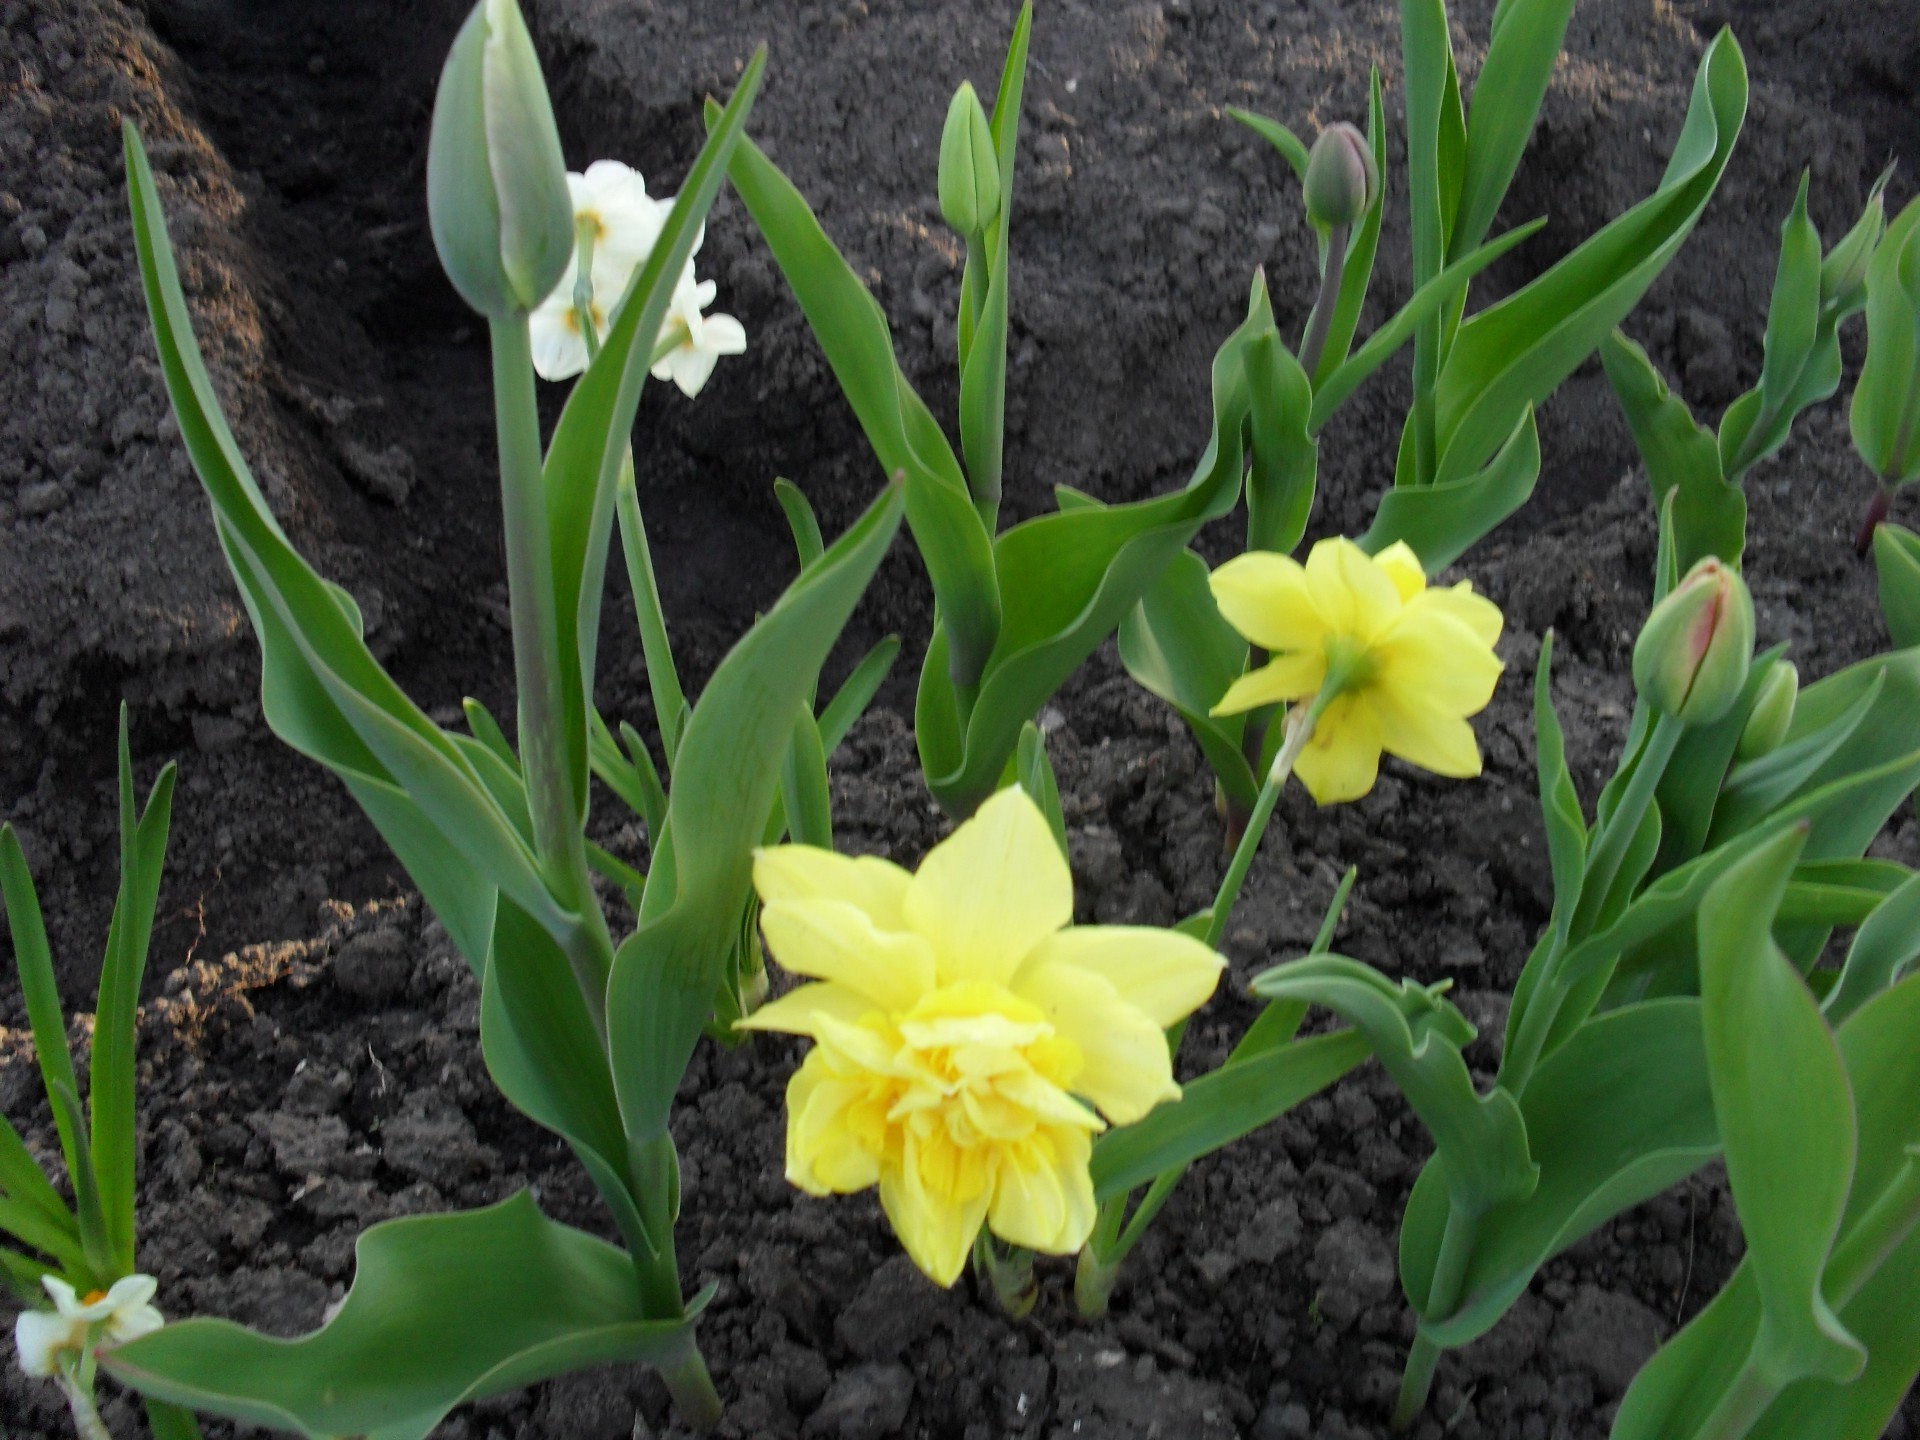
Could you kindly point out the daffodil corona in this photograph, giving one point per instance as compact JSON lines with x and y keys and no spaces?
{"x":968,"y":1039}
{"x":1402,"y":665}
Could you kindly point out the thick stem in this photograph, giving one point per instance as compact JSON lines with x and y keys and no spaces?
{"x":1443,"y":1295}
{"x":558,"y":837}
{"x":1320,"y":321}
{"x":691,"y":1388}
{"x":1009,"y":1272}
{"x":87,"y":1424}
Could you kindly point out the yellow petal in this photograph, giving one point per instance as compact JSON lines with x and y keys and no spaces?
{"x":991,"y":891}
{"x":825,"y":1153}
{"x":1125,"y":1069}
{"x":937,"y":1233}
{"x":1425,"y":736}
{"x":794,"y":1013}
{"x":1285,"y":677}
{"x":1476,"y":612}
{"x":1432,"y":658}
{"x":1342,"y":760}
{"x":805,"y":872}
{"x":1403,"y":568}
{"x":1265,"y":597}
{"x":1043,"y":1193}
{"x":1163,"y":974}
{"x":832,"y":940}
{"x":1354,"y":596}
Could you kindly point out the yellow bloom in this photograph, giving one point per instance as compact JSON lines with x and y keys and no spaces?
{"x":1410,"y":663}
{"x":963,"y":1029}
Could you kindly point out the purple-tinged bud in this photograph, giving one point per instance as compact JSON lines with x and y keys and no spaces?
{"x":1692,"y":657}
{"x":1341,"y":180}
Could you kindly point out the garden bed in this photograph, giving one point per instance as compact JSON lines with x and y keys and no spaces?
{"x":310,"y":1055}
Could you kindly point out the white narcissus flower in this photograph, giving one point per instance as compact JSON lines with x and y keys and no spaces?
{"x":703,"y":339}
{"x":123,"y":1312}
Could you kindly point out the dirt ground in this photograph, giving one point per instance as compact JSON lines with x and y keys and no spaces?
{"x":310,"y":1055}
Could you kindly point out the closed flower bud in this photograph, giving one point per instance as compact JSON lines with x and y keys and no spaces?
{"x":1693,"y":653}
{"x":1844,"y":270}
{"x":496,"y":183}
{"x":1772,"y":713}
{"x":969,"y":171}
{"x":1341,"y":180}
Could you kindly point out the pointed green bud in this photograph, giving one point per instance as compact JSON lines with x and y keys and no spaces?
{"x":496,"y":182}
{"x":1844,"y":272}
{"x":969,"y":171}
{"x":1885,"y":415}
{"x":1693,"y":653}
{"x":1772,"y":713}
{"x":1341,"y":180}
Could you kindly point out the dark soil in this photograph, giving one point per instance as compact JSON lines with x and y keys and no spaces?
{"x":311,"y":1057}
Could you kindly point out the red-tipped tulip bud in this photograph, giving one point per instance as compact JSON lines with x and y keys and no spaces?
{"x":969,"y":171}
{"x":1692,"y":656}
{"x":497,"y":197}
{"x":1772,"y":713}
{"x":1341,"y":180}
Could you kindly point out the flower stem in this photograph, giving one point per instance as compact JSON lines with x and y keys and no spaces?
{"x":691,"y":1388}
{"x":87,"y":1424}
{"x":1320,"y":321}
{"x":1443,"y":1294}
{"x":558,"y":836}
{"x":1299,"y":722}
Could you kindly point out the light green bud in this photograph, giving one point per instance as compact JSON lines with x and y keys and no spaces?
{"x":1341,"y":180}
{"x":1844,"y":271}
{"x":969,"y":171}
{"x":1885,"y":415}
{"x":1693,"y":653}
{"x":1772,"y":713}
{"x":496,"y":182}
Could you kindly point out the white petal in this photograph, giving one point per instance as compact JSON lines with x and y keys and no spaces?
{"x":39,"y":1336}
{"x":558,"y":351}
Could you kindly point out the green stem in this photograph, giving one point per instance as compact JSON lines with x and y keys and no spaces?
{"x":1320,"y":321}
{"x":558,"y":835}
{"x":691,"y":1389}
{"x":1443,"y":1295}
{"x":1299,"y":722}
{"x":87,"y":1424}
{"x":663,"y":679}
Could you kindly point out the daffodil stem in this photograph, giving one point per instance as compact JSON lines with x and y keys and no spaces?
{"x":1320,"y":321}
{"x":663,"y":678}
{"x":87,"y":1424}
{"x":1299,"y":722}
{"x":558,"y":836}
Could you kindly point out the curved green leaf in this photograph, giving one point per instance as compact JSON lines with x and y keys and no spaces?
{"x":1884,"y":401}
{"x":1444,"y":520}
{"x":1887,"y":942}
{"x":1896,"y":563}
{"x":1506,"y":100}
{"x":1292,"y":149}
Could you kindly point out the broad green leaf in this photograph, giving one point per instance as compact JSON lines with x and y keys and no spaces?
{"x":1220,"y":1107}
{"x":1884,"y":431}
{"x":1175,"y":643}
{"x":1839,"y":892}
{"x":1443,"y":521}
{"x":1785,"y":1113}
{"x":1515,"y":353}
{"x":1068,"y":579}
{"x":1615,"y":1116}
{"x":853,"y":333}
{"x":1506,"y":100}
{"x":1887,"y":942}
{"x":856,"y":693}
{"x":171,"y":1422}
{"x":1292,"y":149}
{"x":46,"y":1016}
{"x":1896,"y":563}
{"x":22,"y":1180}
{"x":444,"y":1308}
{"x":110,"y":1074}
{"x":1758,"y":785}
{"x":1280,"y":480}
{"x":1681,"y":456}
{"x":665,"y":974}
{"x":591,"y":441}
{"x":1417,"y":1036}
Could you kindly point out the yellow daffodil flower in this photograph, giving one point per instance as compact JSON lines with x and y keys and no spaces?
{"x":968,"y":1038}
{"x":1407,"y":663}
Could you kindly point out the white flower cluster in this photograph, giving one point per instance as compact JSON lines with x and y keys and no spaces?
{"x":125,"y":1312}
{"x":625,"y":222}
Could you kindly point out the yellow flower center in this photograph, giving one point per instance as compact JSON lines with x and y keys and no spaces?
{"x":93,"y":1297}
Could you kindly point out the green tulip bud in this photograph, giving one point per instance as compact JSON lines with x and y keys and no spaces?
{"x":1885,"y":416}
{"x":496,"y":182}
{"x":1844,"y":271}
{"x":1342,"y":181}
{"x":1692,"y":656}
{"x":969,"y":171}
{"x":1772,"y":713}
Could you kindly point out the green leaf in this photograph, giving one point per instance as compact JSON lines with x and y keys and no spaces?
{"x":21,"y":1180}
{"x":1220,"y":1107}
{"x":1515,"y":353}
{"x":1444,"y":520}
{"x":856,"y":693}
{"x":1785,"y":1113}
{"x":1887,"y":942}
{"x":1034,"y":774}
{"x":110,"y":1077}
{"x":1358,"y":269}
{"x":1175,"y":644}
{"x":1506,"y":100}
{"x":1839,"y":892}
{"x":55,"y":1236}
{"x":853,"y":333}
{"x":171,"y":1422}
{"x":1884,"y":430}
{"x":803,"y":784}
{"x":1896,"y":563}
{"x":1681,"y":456}
{"x":1758,"y":786}
{"x":1612,"y":1118}
{"x":1689,"y":792}
{"x":46,"y":1017}
{"x":1559,"y":801}
{"x":1280,"y":482}
{"x":443,"y":1309}
{"x":1290,"y":146}
{"x":807,"y":539}
{"x":665,"y":974}
{"x":486,"y":729}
